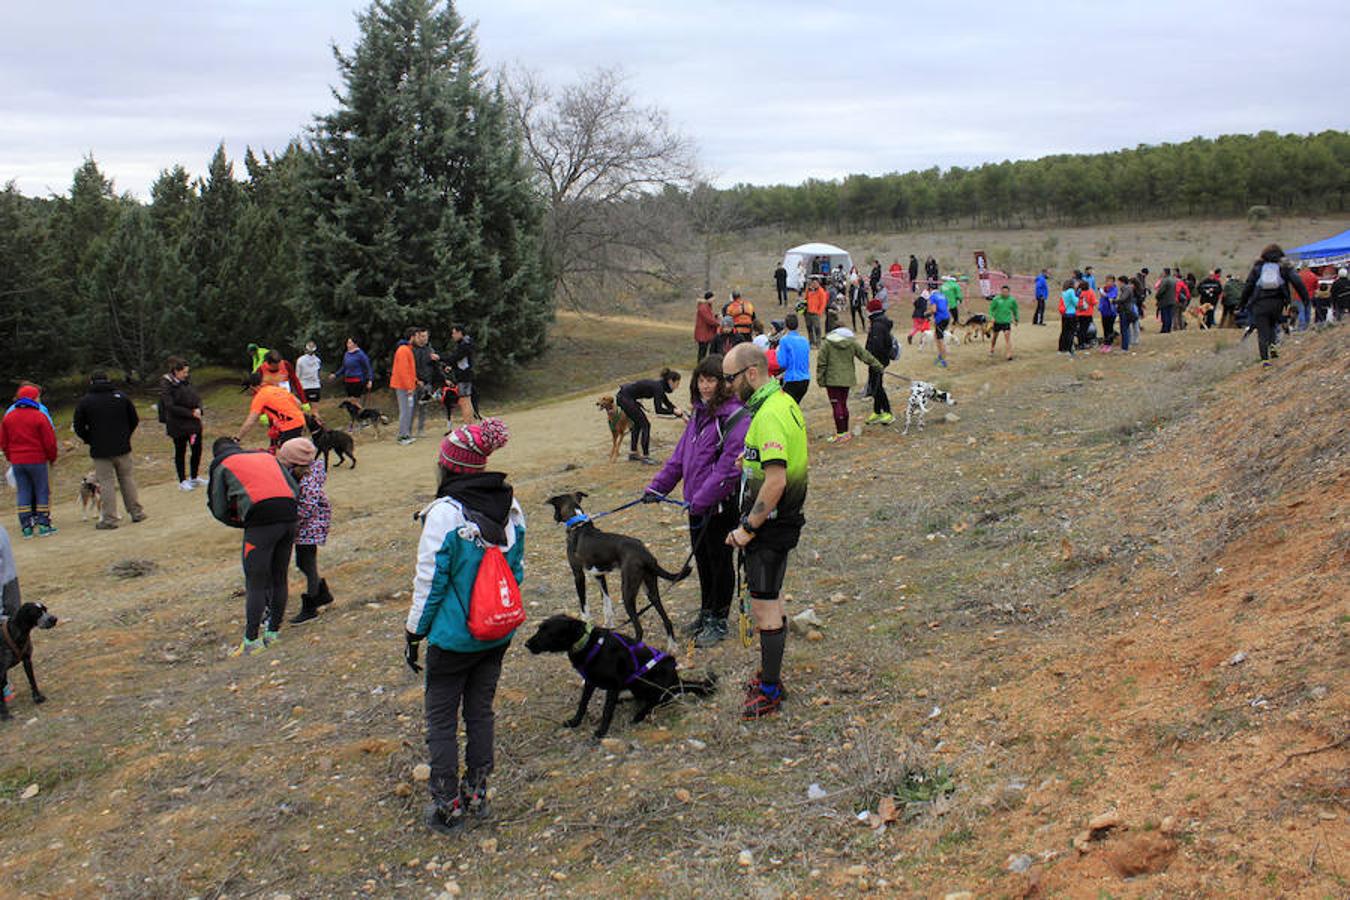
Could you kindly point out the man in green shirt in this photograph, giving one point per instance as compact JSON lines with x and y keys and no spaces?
{"x":951,"y":289}
{"x":773,"y":493}
{"x":1003,"y":311}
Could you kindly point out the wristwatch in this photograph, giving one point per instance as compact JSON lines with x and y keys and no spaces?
{"x":746,"y":526}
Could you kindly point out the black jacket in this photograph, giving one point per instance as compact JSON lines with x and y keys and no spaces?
{"x":879,"y":336}
{"x":1253,"y":294}
{"x":461,"y":360}
{"x":178,"y":399}
{"x":104,"y":419}
{"x":428,"y":372}
{"x":653,"y":389}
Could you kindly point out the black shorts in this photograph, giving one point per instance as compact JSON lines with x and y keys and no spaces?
{"x":312,"y":395}
{"x":765,"y":569}
{"x":940,"y":328}
{"x":1002,"y":326}
{"x":354,"y":388}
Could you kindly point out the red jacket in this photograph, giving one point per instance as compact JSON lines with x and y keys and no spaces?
{"x":705,"y":323}
{"x":27,"y":437}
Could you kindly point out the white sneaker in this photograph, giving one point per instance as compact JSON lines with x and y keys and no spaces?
{"x":186,"y":485}
{"x":202,"y":480}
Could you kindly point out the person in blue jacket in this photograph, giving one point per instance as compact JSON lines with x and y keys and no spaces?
{"x":473,"y":508}
{"x":794,"y":356}
{"x":356,"y":372}
{"x":1042,"y":294}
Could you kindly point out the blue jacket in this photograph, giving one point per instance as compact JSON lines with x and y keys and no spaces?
{"x":356,"y":366}
{"x":448,"y":556}
{"x":1106,"y":302}
{"x":1042,"y":287}
{"x":794,"y":355}
{"x":709,"y":477}
{"x":941,"y":311}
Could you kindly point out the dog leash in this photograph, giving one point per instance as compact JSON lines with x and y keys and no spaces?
{"x":698,"y":543}
{"x":632,"y":503}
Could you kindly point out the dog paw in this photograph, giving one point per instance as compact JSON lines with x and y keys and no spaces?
{"x":39,"y":698}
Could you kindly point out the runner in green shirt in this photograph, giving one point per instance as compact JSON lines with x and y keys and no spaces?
{"x":774,"y":478}
{"x":951,"y":289}
{"x":1003,"y":310}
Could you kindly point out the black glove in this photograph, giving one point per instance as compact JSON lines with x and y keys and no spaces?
{"x":651,"y":497}
{"x":410,"y":650}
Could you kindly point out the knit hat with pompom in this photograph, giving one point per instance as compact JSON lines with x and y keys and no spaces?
{"x":467,"y":448}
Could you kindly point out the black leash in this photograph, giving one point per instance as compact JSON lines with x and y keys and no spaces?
{"x":706,"y":527}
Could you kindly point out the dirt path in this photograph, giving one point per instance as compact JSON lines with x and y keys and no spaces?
{"x":166,"y":769}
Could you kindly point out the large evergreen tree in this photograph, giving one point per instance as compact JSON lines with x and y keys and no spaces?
{"x":420,"y":207}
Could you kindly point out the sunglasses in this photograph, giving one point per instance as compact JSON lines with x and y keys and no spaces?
{"x":737,"y":374}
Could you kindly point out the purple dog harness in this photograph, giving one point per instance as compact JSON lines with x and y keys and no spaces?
{"x":639,"y":669}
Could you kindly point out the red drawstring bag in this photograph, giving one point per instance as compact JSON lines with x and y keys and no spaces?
{"x":495,"y":609}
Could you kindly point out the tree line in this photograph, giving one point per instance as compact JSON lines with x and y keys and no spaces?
{"x":1232,"y":175}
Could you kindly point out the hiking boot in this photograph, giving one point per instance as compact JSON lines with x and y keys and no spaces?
{"x":270,"y":637}
{"x":249,"y":648}
{"x":754,"y":683}
{"x":762,"y":702}
{"x":325,"y":596}
{"x":308,"y":610}
{"x":886,"y":419}
{"x":446,"y":818}
{"x":475,"y":797}
{"x":105,"y":526}
{"x":873,"y":419}
{"x":49,"y":530}
{"x":27,"y":532}
{"x":696,"y":625}
{"x":713,"y":633}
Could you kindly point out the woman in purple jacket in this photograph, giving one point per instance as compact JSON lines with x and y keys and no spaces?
{"x":706,"y":459}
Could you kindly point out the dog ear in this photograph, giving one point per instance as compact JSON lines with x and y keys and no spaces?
{"x":580,"y":495}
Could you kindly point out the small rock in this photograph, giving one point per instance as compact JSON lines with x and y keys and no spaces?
{"x":683,"y":795}
{"x":1097,"y":375}
{"x":488,"y":845}
{"x":951,"y":418}
{"x":403,"y":789}
{"x":1082,"y":841}
{"x":421,"y":773}
{"x":959,"y":895}
{"x":453,"y":889}
{"x":971,"y":442}
{"x":613,"y":745}
{"x":814,"y":635}
{"x":856,"y":871}
{"x":696,"y":744}
{"x":558,"y":876}
{"x":30,"y":792}
{"x":745,"y":859}
{"x":1169,"y":825}
{"x":816,"y":792}
{"x":413,"y":863}
{"x":1237,"y":658}
{"x":839,"y":598}
{"x":1019,"y":862}
{"x":1107,"y":820}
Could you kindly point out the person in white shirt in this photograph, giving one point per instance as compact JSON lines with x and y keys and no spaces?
{"x":307,"y":370}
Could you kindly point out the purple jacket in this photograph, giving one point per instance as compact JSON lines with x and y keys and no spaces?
{"x":707,"y":480}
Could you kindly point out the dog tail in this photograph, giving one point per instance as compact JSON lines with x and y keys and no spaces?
{"x":675,"y":577}
{"x":384,"y":420}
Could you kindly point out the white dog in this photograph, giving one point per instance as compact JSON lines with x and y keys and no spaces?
{"x":921,"y":393}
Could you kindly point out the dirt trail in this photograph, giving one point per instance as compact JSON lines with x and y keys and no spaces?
{"x":1002,"y":691}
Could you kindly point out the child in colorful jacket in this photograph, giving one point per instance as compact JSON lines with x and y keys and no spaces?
{"x":473,"y":509}
{"x":311,"y":530}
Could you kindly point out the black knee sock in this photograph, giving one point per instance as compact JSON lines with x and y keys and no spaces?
{"x":771,"y":645}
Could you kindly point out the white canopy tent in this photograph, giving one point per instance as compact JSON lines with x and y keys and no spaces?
{"x":812,"y":257}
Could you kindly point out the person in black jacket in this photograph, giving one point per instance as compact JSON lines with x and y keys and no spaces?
{"x":874,"y":277}
{"x":655,"y":390}
{"x":879,"y":345}
{"x":913,"y":271}
{"x":780,"y":284}
{"x":104,"y":419}
{"x":1267,"y":294}
{"x":460,"y":366}
{"x":180,"y":409}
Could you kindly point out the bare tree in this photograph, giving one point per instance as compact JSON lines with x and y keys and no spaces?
{"x":607,"y":166}
{"x":713,"y":215}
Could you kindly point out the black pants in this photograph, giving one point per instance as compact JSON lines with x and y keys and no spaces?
{"x":703,"y":348}
{"x":782,"y":294}
{"x":1083,"y":323}
{"x":880,"y":402}
{"x":796,"y":389}
{"x":307,"y":561}
{"x":455,"y":680}
{"x":641,"y":432}
{"x":714,"y":560}
{"x":855,"y":313}
{"x":1038,"y":318}
{"x":180,"y":454}
{"x":1108,"y":330}
{"x":1266,"y":318}
{"x":956,"y":314}
{"x":266,"y":557}
{"x":1068,"y":327}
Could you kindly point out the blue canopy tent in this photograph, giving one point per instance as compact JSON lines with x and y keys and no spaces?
{"x":1326,"y":252}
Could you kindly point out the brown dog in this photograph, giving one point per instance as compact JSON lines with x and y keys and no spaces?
{"x":618,"y":423}
{"x":91,"y":496}
{"x":1200,"y":311}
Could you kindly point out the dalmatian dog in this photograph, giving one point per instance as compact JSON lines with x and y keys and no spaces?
{"x":921,"y":393}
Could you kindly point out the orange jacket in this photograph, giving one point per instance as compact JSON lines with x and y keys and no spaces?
{"x":816,"y":300}
{"x":404,"y":375}
{"x":742,"y":314}
{"x":279,"y":405}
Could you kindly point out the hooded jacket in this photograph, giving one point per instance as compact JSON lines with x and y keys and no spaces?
{"x":249,"y":487}
{"x":177,"y":400}
{"x":26,"y":433}
{"x":104,"y":419}
{"x":794,"y":355}
{"x":448,"y":556}
{"x":705,"y":322}
{"x":709,"y":476}
{"x":834,"y":361}
{"x":1254,"y":295}
{"x":879,"y":336}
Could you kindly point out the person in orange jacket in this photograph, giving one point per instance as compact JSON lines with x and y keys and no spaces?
{"x":403,"y":382}
{"x":816,"y":300}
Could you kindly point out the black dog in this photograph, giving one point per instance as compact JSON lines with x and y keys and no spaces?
{"x":328,"y":441}
{"x":364,"y":417}
{"x":591,"y":551}
{"x":16,"y":646}
{"x":613,"y":662}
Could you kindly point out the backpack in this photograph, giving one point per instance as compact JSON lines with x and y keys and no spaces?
{"x":1270,"y":278}
{"x":495,"y":609}
{"x":895,"y":348}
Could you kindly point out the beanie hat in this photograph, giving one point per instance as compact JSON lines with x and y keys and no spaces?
{"x":28,"y":392}
{"x":297,"y":452}
{"x":874,"y":305}
{"x":467,"y":448}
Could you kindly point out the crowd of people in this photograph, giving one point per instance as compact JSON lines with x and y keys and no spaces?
{"x":741,"y":461}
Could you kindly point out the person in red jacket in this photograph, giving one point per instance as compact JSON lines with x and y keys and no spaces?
{"x":705,"y":325}
{"x":29,"y":443}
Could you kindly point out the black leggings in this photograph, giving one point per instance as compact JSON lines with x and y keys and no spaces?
{"x":714,"y":559}
{"x":880,"y":402}
{"x":1266,"y":317}
{"x":642,"y":426}
{"x":796,"y":389}
{"x":455,"y":680}
{"x":307,"y":561}
{"x":1068,"y":327}
{"x":180,"y":452}
{"x":266,"y":554}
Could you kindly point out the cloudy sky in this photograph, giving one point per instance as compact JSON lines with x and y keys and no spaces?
{"x":769,"y":91}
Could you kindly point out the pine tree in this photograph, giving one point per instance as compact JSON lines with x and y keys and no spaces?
{"x":28,"y":330}
{"x":222,"y":271}
{"x":421,"y":210}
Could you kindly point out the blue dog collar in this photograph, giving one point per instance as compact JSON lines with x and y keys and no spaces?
{"x":576,"y":520}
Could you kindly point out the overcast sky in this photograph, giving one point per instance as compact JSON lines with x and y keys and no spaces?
{"x":769,"y":91}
